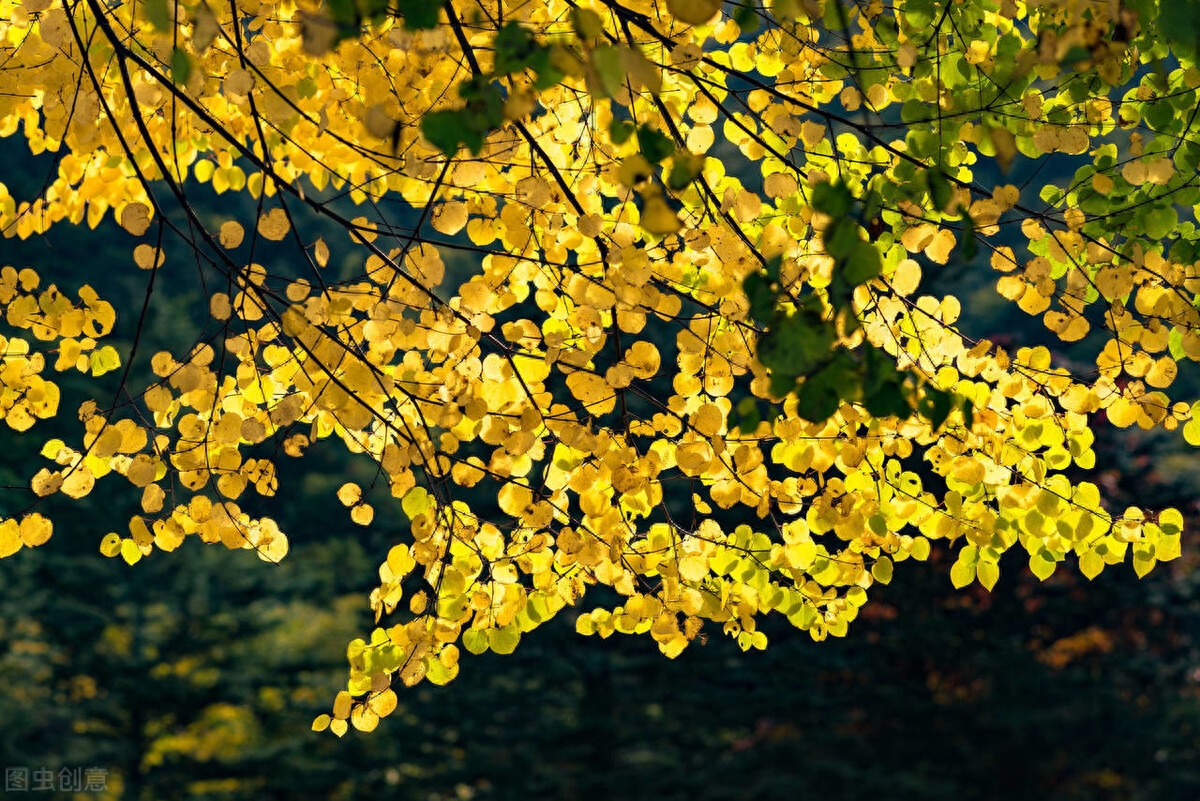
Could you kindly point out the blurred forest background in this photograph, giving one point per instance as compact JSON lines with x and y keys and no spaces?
{"x":195,"y":675}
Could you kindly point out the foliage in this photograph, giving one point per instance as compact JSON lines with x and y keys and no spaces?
{"x":701,"y":234}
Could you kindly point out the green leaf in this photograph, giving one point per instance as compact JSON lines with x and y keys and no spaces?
{"x":607,"y":61}
{"x":547,"y":74}
{"x":832,"y":199}
{"x":783,"y":382}
{"x":418,"y":14}
{"x":485,"y":103}
{"x":923,"y":143}
{"x":940,"y":191}
{"x":475,"y":641}
{"x":748,"y":415}
{"x":515,"y":46}
{"x":841,"y":237}
{"x":685,"y":167}
{"x":872,"y":205}
{"x":505,"y":640}
{"x":654,"y":145}
{"x":372,"y":10}
{"x":746,"y":17}
{"x":1051,"y":194}
{"x":835,"y":16}
{"x":968,"y":410}
{"x":822,"y":392}
{"x":795,"y":345}
{"x":587,"y":24}
{"x":444,"y":129}
{"x":306,"y":87}
{"x":935,"y":406}
{"x":1074,"y":55}
{"x":967,"y":246}
{"x":416,"y":502}
{"x":158,"y":14}
{"x":1187,"y":156}
{"x":447,"y":129}
{"x":862,"y":263}
{"x":762,"y":298}
{"x":345,"y":14}
{"x":620,"y":131}
{"x":881,"y":571}
{"x":773,"y":266}
{"x":181,"y":66}
{"x":888,"y":400}
{"x":1159,"y":221}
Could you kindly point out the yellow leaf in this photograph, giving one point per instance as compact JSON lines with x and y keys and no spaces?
{"x":514,"y":498}
{"x":10,"y":538}
{"x":46,"y":483}
{"x":968,"y":469}
{"x":1005,"y":145}
{"x":1163,"y":373}
{"x":231,"y":234}
{"x":658,"y":218}
{"x":35,"y":530}
{"x":1090,"y":564}
{"x":693,"y":568}
{"x":504,"y":640}
{"x":450,"y":218}
{"x":962,"y":573}
{"x":274,"y":225}
{"x":379,"y":123}
{"x":940,"y":248}
{"x":1123,"y":412}
{"x":596,"y":395}
{"x":708,"y":419}
{"x":1041,"y":566}
{"x":694,"y":12}
{"x":135,"y":218}
{"x":1144,"y":560}
{"x":349,"y":493}
{"x":152,"y":499}
{"x":383,"y":703}
{"x":988,"y":573}
{"x":111,"y":544}
{"x":1168,"y":548}
{"x":907,"y":277}
{"x":130,"y":551}
{"x":147,"y":257}
{"x":881,"y":571}
{"x":239,"y":82}
{"x":78,"y":482}
{"x":780,"y":184}
{"x":364,"y":719}
{"x":341,"y":705}
{"x":104,"y":360}
{"x":362,"y":514}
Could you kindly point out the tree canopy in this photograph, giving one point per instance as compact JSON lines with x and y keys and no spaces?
{"x":635,"y":310}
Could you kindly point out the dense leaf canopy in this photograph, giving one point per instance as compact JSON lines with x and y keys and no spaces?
{"x":639,"y":296}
